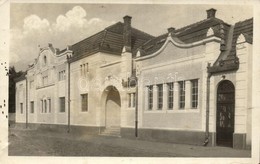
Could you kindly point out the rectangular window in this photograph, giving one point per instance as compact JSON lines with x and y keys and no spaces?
{"x":84,"y":68}
{"x":87,"y":67}
{"x":182,"y":94}
{"x":49,"y":105}
{"x":45,"y":80}
{"x":42,"y":105}
{"x":45,"y":106}
{"x":21,"y":108}
{"x":194,"y":93}
{"x":81,"y":70}
{"x":84,"y":102}
{"x":32,"y":107}
{"x":160,"y":96}
{"x":150,"y":97}
{"x":129,"y":100}
{"x":133,"y":99}
{"x":62,"y":104}
{"x":170,"y":95}
{"x":62,"y":75}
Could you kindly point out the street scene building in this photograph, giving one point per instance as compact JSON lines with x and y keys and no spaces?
{"x":191,"y":85}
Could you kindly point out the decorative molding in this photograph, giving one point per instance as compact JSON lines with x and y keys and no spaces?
{"x":241,"y":39}
{"x":210,"y":32}
{"x":179,"y":45}
{"x":138,"y":54}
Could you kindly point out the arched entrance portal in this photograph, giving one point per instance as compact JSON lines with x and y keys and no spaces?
{"x":225,"y":113}
{"x":112,"y":107}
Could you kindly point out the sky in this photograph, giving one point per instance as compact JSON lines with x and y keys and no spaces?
{"x":35,"y":25}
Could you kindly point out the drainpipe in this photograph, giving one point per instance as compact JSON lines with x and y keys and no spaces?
{"x":68,"y":93}
{"x":207,"y":109}
{"x":136,"y":108}
{"x":26,"y":103}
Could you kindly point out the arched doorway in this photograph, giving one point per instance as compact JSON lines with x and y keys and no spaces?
{"x":112,"y":107}
{"x":225,"y":113}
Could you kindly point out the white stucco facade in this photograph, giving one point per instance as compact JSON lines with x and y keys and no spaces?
{"x":101,"y":95}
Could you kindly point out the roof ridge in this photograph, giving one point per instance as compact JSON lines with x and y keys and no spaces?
{"x":198,"y":23}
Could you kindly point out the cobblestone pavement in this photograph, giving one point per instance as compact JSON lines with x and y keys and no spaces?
{"x":51,"y":143}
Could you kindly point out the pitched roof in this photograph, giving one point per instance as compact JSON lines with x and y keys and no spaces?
{"x":228,"y":59}
{"x":109,"y":40}
{"x":188,"y":34}
{"x":243,"y":27}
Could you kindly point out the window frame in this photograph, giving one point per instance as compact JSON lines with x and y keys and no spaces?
{"x":21,"y":108}
{"x":159,"y":96}
{"x":170,"y":101}
{"x":86,"y":102}
{"x":49,"y":102}
{"x":62,"y":103}
{"x":181,"y":95}
{"x":150,"y":97}
{"x":194,"y":93}
{"x":134,"y":100}
{"x":31,"y":106}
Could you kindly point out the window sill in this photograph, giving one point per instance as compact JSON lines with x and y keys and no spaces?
{"x":183,"y":111}
{"x":155,"y":111}
{"x":173,"y":111}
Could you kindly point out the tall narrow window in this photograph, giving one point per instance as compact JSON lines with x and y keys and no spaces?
{"x":134,"y":99}
{"x":45,"y":60}
{"x":182,"y":94}
{"x":84,"y":102}
{"x":45,"y":80}
{"x":62,"y":75}
{"x":129,"y":100}
{"x":81,"y":70}
{"x":21,"y":108}
{"x":194,"y":93}
{"x":170,"y":96}
{"x":160,"y":96}
{"x":45,"y":106}
{"x":87,"y":67}
{"x":49,"y":105}
{"x":42,"y":105}
{"x":32,"y":107}
{"x":62,"y":104}
{"x":150,"y":97}
{"x":84,"y":70}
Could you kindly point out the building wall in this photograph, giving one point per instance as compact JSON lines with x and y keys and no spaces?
{"x":21,"y":101}
{"x":94,"y":75}
{"x":173,"y":64}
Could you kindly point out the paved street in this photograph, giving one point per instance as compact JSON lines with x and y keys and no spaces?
{"x":50,"y":143}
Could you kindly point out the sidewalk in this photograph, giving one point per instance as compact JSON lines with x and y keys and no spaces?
{"x":68,"y":144}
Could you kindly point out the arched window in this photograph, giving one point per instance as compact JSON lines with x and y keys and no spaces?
{"x":45,"y":60}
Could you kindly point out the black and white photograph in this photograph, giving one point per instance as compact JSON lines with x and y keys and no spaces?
{"x":162,"y":81}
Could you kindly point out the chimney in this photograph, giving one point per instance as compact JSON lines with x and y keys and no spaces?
{"x":171,"y":30}
{"x":211,"y":13}
{"x":127,"y":33}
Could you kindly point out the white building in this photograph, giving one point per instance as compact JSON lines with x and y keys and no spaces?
{"x":190,"y":85}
